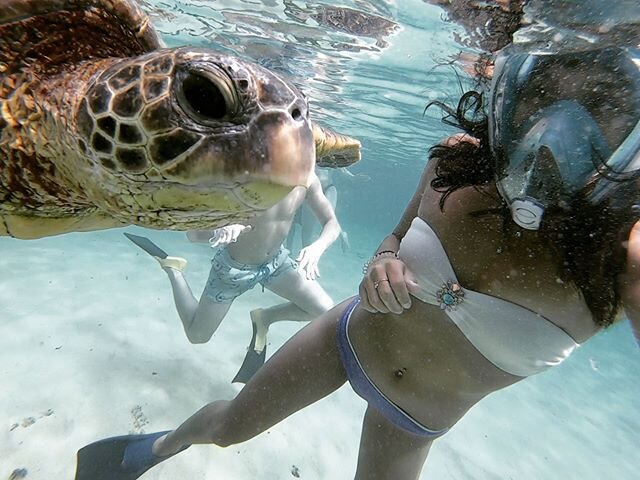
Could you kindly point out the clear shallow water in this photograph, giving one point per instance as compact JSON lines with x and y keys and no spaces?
{"x":90,"y":344}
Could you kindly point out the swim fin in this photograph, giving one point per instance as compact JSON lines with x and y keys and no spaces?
{"x":165,"y":261}
{"x":252,"y":361}
{"x":126,"y":457}
{"x":147,"y":245}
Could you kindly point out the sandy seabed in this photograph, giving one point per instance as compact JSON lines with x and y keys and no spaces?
{"x":91,"y":346}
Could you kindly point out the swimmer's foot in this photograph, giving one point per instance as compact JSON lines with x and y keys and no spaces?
{"x":120,"y":458}
{"x":260,"y":330}
{"x":165,"y":261}
{"x":175,"y":263}
{"x":257,"y":351}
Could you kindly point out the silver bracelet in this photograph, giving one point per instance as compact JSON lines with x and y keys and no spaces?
{"x":382,"y":254}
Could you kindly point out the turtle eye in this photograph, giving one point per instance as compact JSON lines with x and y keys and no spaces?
{"x":207,"y":97}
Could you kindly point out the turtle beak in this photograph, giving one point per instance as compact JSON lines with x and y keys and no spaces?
{"x":289,"y":152}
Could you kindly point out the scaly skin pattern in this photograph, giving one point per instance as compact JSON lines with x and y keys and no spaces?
{"x":37,"y":98}
{"x":95,"y":132}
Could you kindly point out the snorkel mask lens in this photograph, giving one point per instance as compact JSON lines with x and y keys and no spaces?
{"x":552,"y":126}
{"x":556,"y":156}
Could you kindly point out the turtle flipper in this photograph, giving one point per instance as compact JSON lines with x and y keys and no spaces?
{"x":334,"y":149}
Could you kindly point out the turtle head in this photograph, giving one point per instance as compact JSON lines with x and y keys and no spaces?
{"x":187,"y":138}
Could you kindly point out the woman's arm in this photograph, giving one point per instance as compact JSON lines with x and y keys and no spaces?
{"x":387,"y":281}
{"x":411,"y":211}
{"x":631,"y":281}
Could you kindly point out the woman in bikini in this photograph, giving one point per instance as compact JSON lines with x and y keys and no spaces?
{"x":521,"y":242}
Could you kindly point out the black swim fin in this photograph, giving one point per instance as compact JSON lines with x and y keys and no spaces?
{"x":107,"y":459}
{"x":147,"y":245}
{"x":165,"y":261}
{"x":252,"y":361}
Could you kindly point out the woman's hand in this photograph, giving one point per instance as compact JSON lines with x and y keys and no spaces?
{"x":386,"y":286}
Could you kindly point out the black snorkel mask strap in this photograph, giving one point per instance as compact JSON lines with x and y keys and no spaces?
{"x":623,"y":166}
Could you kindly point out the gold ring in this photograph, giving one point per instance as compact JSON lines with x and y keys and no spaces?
{"x":376,"y":284}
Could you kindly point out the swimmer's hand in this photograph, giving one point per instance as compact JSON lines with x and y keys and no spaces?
{"x":386,"y":286}
{"x":228,"y":234}
{"x":308,"y":261}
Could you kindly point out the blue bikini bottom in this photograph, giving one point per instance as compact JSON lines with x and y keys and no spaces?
{"x":365,"y":388}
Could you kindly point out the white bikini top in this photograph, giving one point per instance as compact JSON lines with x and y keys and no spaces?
{"x":515,"y":339}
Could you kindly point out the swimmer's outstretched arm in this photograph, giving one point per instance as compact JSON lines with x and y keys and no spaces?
{"x":323,"y":210}
{"x":631,"y":281}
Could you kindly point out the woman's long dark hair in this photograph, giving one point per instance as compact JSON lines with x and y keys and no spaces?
{"x":587,"y":238}
{"x":466,"y":164}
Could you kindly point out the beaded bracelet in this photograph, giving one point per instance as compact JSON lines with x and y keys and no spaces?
{"x":381,"y":254}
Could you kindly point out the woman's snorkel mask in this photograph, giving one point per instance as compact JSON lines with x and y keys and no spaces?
{"x":560,"y":122}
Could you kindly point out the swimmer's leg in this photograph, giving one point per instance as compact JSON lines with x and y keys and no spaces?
{"x":200,"y":318}
{"x":306,"y":369}
{"x":307,"y":300}
{"x":389,"y":453}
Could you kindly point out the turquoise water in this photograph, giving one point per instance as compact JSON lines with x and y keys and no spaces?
{"x":90,"y":344}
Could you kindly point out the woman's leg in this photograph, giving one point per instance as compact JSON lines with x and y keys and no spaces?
{"x":200,"y":319}
{"x":306,"y":369}
{"x":389,"y":453}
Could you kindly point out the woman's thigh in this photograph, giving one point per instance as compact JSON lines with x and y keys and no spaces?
{"x":305,"y":369}
{"x":389,"y":453}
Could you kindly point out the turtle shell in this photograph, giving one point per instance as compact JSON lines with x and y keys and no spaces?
{"x":45,"y":34}
{"x":38,"y":39}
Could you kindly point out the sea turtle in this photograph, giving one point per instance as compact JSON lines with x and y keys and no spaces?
{"x":101,"y":127}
